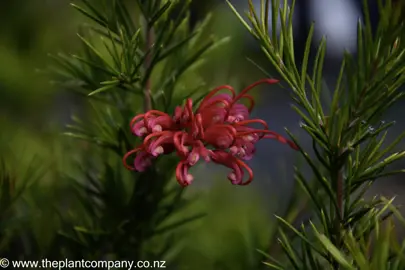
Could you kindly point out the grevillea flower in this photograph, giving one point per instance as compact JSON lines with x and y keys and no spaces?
{"x":218,"y":130}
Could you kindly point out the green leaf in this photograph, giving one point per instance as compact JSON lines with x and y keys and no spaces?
{"x":96,"y":18}
{"x":240,"y":17}
{"x":289,"y":250}
{"x":388,"y":148}
{"x":93,"y":65}
{"x":300,"y":235}
{"x":319,"y":177}
{"x":382,"y":247}
{"x":317,"y":75}
{"x":273,"y":266}
{"x":175,"y":47}
{"x":355,"y":251}
{"x":275,"y":16}
{"x":87,"y":231}
{"x":272,"y":261}
{"x":305,"y":59}
{"x":123,"y":16}
{"x":174,"y":225}
{"x":159,"y":13}
{"x":87,"y":43}
{"x":104,"y":88}
{"x":332,"y":249}
{"x":313,"y":196}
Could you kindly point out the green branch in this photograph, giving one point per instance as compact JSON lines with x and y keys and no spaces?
{"x":345,"y":133}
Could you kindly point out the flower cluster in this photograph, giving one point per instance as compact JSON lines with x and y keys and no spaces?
{"x":218,"y":131}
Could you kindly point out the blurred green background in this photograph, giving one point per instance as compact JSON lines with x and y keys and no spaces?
{"x":33,"y":112}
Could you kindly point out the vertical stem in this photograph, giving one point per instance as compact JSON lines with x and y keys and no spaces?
{"x":339,"y":201}
{"x":339,"y":213}
{"x":147,"y":94}
{"x":339,"y":194}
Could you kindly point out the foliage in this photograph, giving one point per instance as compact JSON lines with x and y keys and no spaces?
{"x":347,"y":137}
{"x":76,"y":200}
{"x":127,"y":210}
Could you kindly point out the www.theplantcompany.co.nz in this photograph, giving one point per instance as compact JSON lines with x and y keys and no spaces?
{"x":76,"y":264}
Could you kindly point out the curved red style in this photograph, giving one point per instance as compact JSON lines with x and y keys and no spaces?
{"x":217,"y":130}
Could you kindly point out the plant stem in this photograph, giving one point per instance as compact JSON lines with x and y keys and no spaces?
{"x":339,"y":194}
{"x":147,"y":93}
{"x":339,"y":214}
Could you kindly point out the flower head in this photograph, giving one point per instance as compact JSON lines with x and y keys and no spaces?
{"x":237,"y":166}
{"x":218,"y":130}
{"x":151,"y":121}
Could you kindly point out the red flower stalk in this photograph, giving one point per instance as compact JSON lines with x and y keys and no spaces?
{"x":217,"y":130}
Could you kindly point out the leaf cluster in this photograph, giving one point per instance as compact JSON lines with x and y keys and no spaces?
{"x":348,"y":136}
{"x":129,"y":63}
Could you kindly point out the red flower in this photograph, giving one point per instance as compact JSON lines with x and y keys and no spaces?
{"x":237,"y":166}
{"x":217,"y":130}
{"x":152,"y":121}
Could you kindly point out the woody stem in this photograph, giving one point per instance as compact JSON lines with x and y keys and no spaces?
{"x":147,"y":94}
